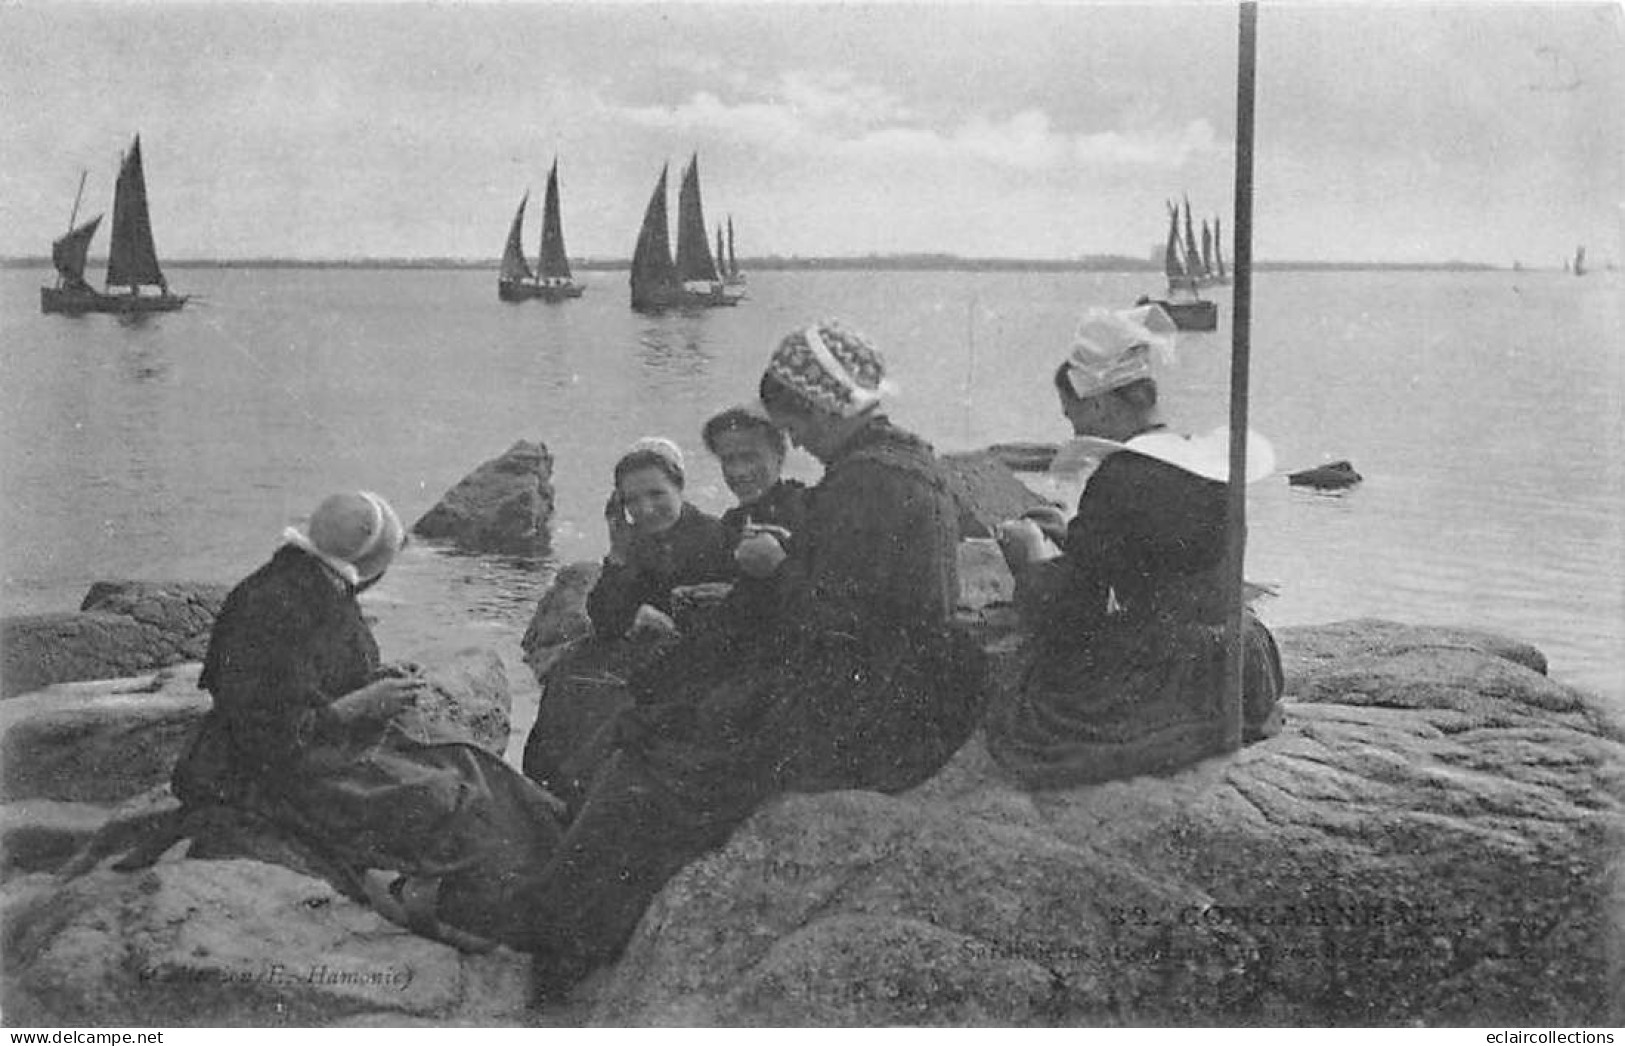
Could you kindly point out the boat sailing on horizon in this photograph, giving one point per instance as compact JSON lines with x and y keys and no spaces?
{"x":552,"y":280}
{"x":1182,"y":264}
{"x":132,"y":260}
{"x":691,"y":280}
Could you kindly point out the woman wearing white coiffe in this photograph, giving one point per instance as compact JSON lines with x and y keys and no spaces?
{"x":1126,"y":603}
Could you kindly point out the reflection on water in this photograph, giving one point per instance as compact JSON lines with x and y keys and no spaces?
{"x":1486,"y":421}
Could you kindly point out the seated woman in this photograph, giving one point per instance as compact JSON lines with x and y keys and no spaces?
{"x":306,"y":738}
{"x":751,"y":451}
{"x":860,"y":682}
{"x":1127,"y":622}
{"x":657,"y":542}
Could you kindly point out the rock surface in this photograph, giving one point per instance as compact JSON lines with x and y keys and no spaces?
{"x":1431,"y":839}
{"x":236,"y":943}
{"x":122,"y":628}
{"x":505,"y":506}
{"x":560,"y":617}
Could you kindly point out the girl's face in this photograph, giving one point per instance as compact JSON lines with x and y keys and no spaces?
{"x":750,"y":462}
{"x":651,"y":499}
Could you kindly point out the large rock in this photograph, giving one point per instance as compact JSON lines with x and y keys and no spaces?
{"x":123,"y":628}
{"x":235,"y":943}
{"x":986,"y":491}
{"x":1432,"y":839}
{"x":560,"y":617}
{"x":505,"y":506}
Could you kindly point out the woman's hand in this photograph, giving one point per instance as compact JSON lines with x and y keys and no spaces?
{"x":378,"y":701}
{"x":621,"y":531}
{"x":761,"y":550}
{"x":1022,"y":542}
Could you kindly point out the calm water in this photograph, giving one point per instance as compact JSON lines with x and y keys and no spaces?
{"x":1484,"y":409}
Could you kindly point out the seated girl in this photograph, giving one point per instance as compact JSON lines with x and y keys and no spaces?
{"x":1127,"y":615}
{"x":308,"y":755}
{"x":657,"y":542}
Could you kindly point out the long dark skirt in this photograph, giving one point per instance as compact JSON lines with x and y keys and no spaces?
{"x":1132,"y":699}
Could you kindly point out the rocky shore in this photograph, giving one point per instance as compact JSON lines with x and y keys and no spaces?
{"x":1434,"y":838}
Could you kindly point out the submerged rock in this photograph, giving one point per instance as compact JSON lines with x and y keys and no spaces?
{"x":505,"y":506}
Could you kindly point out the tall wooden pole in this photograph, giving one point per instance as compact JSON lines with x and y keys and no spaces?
{"x":1240,"y":352}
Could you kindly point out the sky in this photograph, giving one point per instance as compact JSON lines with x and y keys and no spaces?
{"x":1399,"y":132}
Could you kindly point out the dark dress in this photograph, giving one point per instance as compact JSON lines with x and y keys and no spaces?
{"x":1127,"y":627}
{"x":586,"y":687}
{"x":755,"y":602}
{"x":861,"y":682}
{"x":289,"y":640}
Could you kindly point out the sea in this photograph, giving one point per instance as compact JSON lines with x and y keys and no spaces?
{"x":1484,"y":409}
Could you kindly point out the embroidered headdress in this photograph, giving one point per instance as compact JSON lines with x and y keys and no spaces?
{"x":834,"y":370}
{"x":1113,"y":349}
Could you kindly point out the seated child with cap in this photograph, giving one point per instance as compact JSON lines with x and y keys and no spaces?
{"x":658,"y":541}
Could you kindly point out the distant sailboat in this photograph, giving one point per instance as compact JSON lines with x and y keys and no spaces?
{"x":732,"y":277}
{"x":1219,"y":275}
{"x":691,"y":280}
{"x":1579,"y":261}
{"x":1182,"y":263}
{"x":132,"y":260}
{"x":552,"y":280}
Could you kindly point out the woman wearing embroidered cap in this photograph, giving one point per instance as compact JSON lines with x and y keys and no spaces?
{"x":657,"y":542}
{"x":1127,"y":614}
{"x":860,"y":682}
{"x":307,"y":738}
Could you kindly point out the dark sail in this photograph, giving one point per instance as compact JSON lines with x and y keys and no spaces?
{"x":694,"y":261}
{"x":514,"y":266}
{"x":553,"y":264}
{"x":720,"y":265}
{"x":1207,"y":249}
{"x":1218,"y":250}
{"x":68,"y":253}
{"x":132,"y":260}
{"x":733,"y":262}
{"x":1171,"y":264}
{"x":1193,"y":257}
{"x":653,"y":273}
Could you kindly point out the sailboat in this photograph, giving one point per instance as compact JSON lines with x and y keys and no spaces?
{"x":1182,"y":264}
{"x":732,"y":276}
{"x":1579,"y":261}
{"x":132,"y":260}
{"x":691,"y":279}
{"x":552,"y":280}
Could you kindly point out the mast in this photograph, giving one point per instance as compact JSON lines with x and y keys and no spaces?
{"x":73,"y":215}
{"x":1171,"y":265}
{"x":1193,"y":257}
{"x":132,"y":260}
{"x":1240,"y":355}
{"x":514,"y":266}
{"x":653,"y":273}
{"x":1218,"y":249}
{"x":553,"y":262}
{"x":694,"y":261}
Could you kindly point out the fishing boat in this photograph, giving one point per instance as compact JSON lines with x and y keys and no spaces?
{"x":691,"y":279}
{"x":552,"y":280}
{"x":132,"y":260}
{"x":1182,"y":264}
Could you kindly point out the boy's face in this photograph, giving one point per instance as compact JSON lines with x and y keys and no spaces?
{"x":750,"y":462}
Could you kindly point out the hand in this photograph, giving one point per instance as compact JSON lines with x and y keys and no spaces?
{"x":651,"y":622}
{"x":621,"y":531}
{"x":378,"y":701}
{"x":759,"y":554}
{"x":1021,"y":542}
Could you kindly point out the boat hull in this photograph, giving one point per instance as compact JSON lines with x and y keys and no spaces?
{"x":77,"y":301}
{"x":660,"y":299}
{"x":513,"y":292}
{"x":1192,"y":315}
